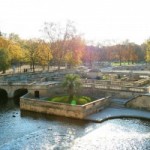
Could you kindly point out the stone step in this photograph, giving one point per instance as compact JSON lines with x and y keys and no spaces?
{"x":117,"y":105}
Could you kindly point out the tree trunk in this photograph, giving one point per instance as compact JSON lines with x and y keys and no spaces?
{"x":4,"y":71}
{"x":70,"y":98}
{"x":120,"y":62}
{"x":71,"y":93}
{"x":48,"y":67}
{"x":33,"y":66}
{"x":58,"y":66}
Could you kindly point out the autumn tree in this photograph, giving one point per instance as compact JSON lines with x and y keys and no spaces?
{"x":0,"y":33}
{"x":130,"y":53}
{"x":119,"y":53}
{"x":147,"y":55}
{"x":4,"y":59}
{"x":75,"y":50}
{"x":31,"y":47}
{"x":90,"y":55}
{"x":58,"y":37}
{"x":17,"y":50}
{"x":10,"y":52}
{"x":142,"y":54}
{"x":14,"y":37}
{"x":5,"y":56}
{"x":43,"y":53}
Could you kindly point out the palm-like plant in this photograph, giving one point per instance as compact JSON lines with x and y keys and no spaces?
{"x":72,"y":82}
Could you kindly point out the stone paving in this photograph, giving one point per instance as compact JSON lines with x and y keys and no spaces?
{"x":112,"y":112}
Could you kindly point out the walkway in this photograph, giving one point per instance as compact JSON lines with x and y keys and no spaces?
{"x":112,"y":112}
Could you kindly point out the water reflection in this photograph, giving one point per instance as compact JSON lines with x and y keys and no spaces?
{"x":117,"y":134}
{"x":27,"y":130}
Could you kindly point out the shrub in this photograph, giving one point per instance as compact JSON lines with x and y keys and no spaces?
{"x":61,"y":99}
{"x":88,"y":99}
{"x":82,"y":101}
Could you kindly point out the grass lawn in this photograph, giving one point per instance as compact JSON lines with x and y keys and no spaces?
{"x":77,"y":100}
{"x":122,"y":64}
{"x":125,"y":63}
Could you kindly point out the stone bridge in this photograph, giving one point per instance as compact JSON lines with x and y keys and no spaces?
{"x":10,"y":88}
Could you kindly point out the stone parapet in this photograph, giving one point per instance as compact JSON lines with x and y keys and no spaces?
{"x":61,"y":109}
{"x":140,"y":102}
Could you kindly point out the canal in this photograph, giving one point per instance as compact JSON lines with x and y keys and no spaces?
{"x":33,"y":131}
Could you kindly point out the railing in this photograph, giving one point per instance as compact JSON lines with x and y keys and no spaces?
{"x":120,"y":88}
{"x":117,"y":83}
{"x":14,"y":83}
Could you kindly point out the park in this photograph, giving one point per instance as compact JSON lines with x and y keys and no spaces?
{"x":62,"y":91}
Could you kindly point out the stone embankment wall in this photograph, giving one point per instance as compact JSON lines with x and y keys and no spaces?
{"x":27,"y":102}
{"x":139,"y":102}
{"x":119,"y":82}
{"x":98,"y":92}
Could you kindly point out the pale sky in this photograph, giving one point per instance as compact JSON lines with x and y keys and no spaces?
{"x":99,"y":20}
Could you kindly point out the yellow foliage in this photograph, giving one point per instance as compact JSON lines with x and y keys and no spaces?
{"x":14,"y":49}
{"x":147,"y":55}
{"x":44,"y":53}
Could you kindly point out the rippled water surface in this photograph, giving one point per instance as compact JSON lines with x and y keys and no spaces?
{"x":33,"y":131}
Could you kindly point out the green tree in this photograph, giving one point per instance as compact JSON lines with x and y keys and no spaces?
{"x":72,"y":82}
{"x":4,"y":54}
{"x":4,"y":59}
{"x":147,"y":55}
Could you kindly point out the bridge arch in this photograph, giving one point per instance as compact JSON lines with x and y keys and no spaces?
{"x":3,"y":96}
{"x":18,"y":93}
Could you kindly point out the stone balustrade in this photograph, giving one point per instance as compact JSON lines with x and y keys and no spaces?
{"x":118,"y":82}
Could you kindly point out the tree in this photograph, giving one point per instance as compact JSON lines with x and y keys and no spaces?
{"x":75,"y":51}
{"x":14,"y":37}
{"x":58,"y":37}
{"x":90,"y":55}
{"x":147,"y":56}
{"x":119,"y":53}
{"x":72,"y":82}
{"x":16,"y":52}
{"x":4,"y":59}
{"x":0,"y":33}
{"x":31,"y":52}
{"x":44,"y":54}
{"x":4,"y":54}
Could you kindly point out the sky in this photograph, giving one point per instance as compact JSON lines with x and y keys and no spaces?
{"x":98,"y":20}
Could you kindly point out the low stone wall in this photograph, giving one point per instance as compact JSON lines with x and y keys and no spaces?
{"x":141,"y":82}
{"x":99,"y":93}
{"x":139,"y":102}
{"x":117,"y":88}
{"x":121,"y":83}
{"x":67,"y":110}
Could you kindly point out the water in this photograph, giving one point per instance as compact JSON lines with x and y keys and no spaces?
{"x":33,"y":131}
